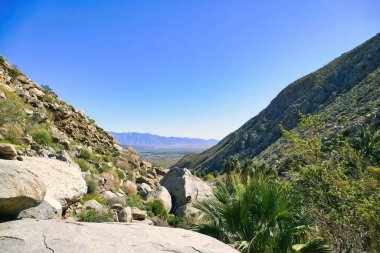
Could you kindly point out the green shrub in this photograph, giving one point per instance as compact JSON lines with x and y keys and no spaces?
{"x":157,"y":208}
{"x":46,"y":88}
{"x":14,"y":72}
{"x":209,"y":176}
{"x":94,"y":196}
{"x":85,"y":154}
{"x":256,"y":215}
{"x":174,"y":220}
{"x":13,"y":134}
{"x":41,"y":136}
{"x":104,"y":168}
{"x":134,"y":200}
{"x":11,"y":112}
{"x":83,"y":164}
{"x":96,"y":216}
{"x":107,"y":158}
{"x":91,"y":186}
{"x":120,"y":174}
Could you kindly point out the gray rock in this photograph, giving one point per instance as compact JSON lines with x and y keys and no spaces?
{"x":92,"y":204}
{"x":19,"y":189}
{"x":111,"y":198}
{"x":184,"y":189}
{"x":49,"y":209}
{"x":64,"y":181}
{"x":125,"y":215}
{"x":138,"y":214}
{"x":161,"y":193}
{"x":64,"y":156}
{"x":8,"y":151}
{"x":143,"y":189}
{"x":66,"y":237}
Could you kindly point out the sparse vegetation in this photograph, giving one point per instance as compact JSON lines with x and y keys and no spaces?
{"x":134,"y":200}
{"x":157,"y":208}
{"x":11,"y":112}
{"x":41,"y":136}
{"x":94,"y":196}
{"x":96,"y":216}
{"x":83,"y":164}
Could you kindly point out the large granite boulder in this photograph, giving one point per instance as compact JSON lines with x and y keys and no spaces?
{"x":19,"y":189}
{"x":61,"y":236}
{"x":184,"y":189}
{"x":161,"y":193}
{"x":63,"y":181}
{"x":8,"y":151}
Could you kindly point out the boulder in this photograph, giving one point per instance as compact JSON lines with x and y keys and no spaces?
{"x":64,"y":156}
{"x":129,"y":187}
{"x":63,"y":181}
{"x":161,"y":193}
{"x":143,"y":189}
{"x":125,"y":215}
{"x":138,"y":214}
{"x":184,"y":189}
{"x":92,"y":204}
{"x":19,"y":189}
{"x":8,"y":151}
{"x":111,"y":198}
{"x":49,"y":209}
{"x":65,"y":237}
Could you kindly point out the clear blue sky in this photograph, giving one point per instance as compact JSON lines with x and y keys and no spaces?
{"x":178,"y":68}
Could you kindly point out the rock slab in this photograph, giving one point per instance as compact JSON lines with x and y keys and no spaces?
{"x":64,"y":181}
{"x":59,"y":236}
{"x":19,"y":189}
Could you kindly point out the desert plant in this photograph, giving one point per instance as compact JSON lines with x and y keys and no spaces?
{"x":41,"y":136}
{"x":174,"y":220}
{"x":120,"y":174}
{"x":261,"y":215}
{"x":96,"y":216}
{"x":157,"y":208}
{"x":94,"y":196}
{"x":85,"y":154}
{"x":11,"y":112}
{"x":13,"y":134}
{"x":83,"y":164}
{"x":134,"y":200}
{"x":91,"y":186}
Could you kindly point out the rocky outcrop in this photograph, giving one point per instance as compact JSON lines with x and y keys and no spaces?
{"x":60,"y":236}
{"x":161,"y":193}
{"x":49,"y":209}
{"x":184,"y":189}
{"x":19,"y":189}
{"x":8,"y":151}
{"x":63,"y":181}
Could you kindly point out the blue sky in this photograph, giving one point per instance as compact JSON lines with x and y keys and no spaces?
{"x":178,"y":68}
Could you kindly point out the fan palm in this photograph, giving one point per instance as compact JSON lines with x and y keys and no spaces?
{"x":259,"y":215}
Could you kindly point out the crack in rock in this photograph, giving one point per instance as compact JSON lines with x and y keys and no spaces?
{"x":46,"y":246}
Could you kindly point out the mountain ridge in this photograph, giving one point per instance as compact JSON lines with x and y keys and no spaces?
{"x":308,"y":94}
{"x":152,"y":140}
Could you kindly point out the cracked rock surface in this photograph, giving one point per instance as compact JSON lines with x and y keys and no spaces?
{"x":31,"y":235}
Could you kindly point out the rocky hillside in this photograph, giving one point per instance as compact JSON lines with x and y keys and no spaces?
{"x":55,"y":162}
{"x":345,"y":90}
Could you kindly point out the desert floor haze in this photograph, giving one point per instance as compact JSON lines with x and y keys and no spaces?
{"x":277,"y":103}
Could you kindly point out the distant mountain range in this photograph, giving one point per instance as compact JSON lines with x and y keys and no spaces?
{"x":156,"y":141}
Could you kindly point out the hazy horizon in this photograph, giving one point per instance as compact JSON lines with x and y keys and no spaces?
{"x":198,"y":70}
